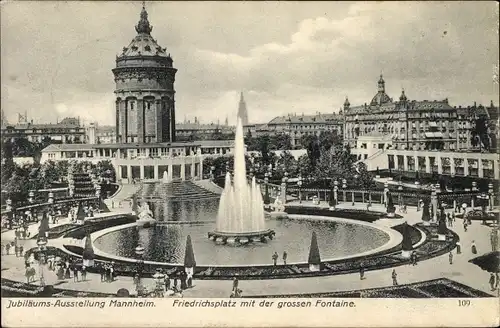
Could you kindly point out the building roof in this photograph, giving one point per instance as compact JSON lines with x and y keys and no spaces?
{"x":67,"y":147}
{"x":84,"y":147}
{"x":105,"y":128}
{"x":434,"y":104}
{"x":26,"y":126}
{"x":198,"y":126}
{"x":302,"y":119}
{"x":215,"y":143}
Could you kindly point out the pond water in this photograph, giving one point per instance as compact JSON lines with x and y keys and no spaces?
{"x":166,"y":241}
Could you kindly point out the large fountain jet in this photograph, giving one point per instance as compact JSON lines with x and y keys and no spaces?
{"x":241,"y":208}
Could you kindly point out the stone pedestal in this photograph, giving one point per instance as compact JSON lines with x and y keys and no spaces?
{"x":406,"y":254}
{"x":314,"y":267}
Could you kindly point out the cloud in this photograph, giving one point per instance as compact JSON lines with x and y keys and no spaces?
{"x":285,"y":56}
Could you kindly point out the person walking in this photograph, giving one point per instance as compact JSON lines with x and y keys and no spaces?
{"x":75,"y":273}
{"x":394,"y":278}
{"x":465,"y":225}
{"x":496,"y":280}
{"x":450,"y":256}
{"x":473,"y":247}
{"x":459,"y":247}
{"x":102,"y":271}
{"x":21,"y":250}
{"x":285,"y":256}
{"x":166,"y":281}
{"x":111,"y":272}
{"x":84,"y":273}
{"x":275,"y":258}
{"x":7,"y":248}
{"x":361,"y":272}
{"x":175,"y":283}
{"x":450,"y":221}
{"x":492,"y":281}
{"x":235,"y":284}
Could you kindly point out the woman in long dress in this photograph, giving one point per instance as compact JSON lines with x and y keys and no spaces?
{"x":473,"y":248}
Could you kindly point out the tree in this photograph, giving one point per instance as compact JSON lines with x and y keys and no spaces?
{"x":48,"y":174}
{"x":22,"y":147}
{"x":8,"y":165}
{"x":480,"y":134}
{"x":311,"y":143}
{"x":281,"y":142}
{"x":304,"y":166}
{"x":327,"y":139}
{"x":105,"y":169}
{"x":263,"y":147}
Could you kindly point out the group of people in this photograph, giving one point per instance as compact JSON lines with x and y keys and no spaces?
{"x":494,"y":281}
{"x":18,"y":249}
{"x":173,"y":284}
{"x":276,"y":256}
{"x":107,"y":271}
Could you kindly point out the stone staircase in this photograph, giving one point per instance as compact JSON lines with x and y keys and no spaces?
{"x":177,"y":190}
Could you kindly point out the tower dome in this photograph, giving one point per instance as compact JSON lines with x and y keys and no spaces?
{"x":381,"y":97}
{"x":144,"y":77}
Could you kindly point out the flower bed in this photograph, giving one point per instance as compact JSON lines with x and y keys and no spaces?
{"x":95,"y":224}
{"x":17,"y":289}
{"x":415,"y":235}
{"x":354,"y":214}
{"x":60,"y":230}
{"x":425,"y":289}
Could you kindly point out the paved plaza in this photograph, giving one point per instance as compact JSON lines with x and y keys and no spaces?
{"x":439,"y":267}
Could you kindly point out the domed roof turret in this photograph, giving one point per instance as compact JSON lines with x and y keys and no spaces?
{"x":381,"y":97}
{"x":143,"y":44}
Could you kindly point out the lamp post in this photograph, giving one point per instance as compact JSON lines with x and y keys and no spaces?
{"x":212,"y":169}
{"x":400,"y":196}
{"x":299,"y":183}
{"x":139,"y":252}
{"x":344,"y":187}
{"x":491,"y":196}
{"x":158,"y":277}
{"x":283,"y":188}
{"x":41,"y":242}
{"x":266,"y":185}
{"x":386,"y":193}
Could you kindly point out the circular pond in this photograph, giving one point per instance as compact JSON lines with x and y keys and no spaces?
{"x":166,"y":241}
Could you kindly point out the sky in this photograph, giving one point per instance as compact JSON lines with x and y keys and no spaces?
{"x":287,"y":57}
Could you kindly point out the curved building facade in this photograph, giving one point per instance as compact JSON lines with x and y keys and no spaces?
{"x":144,"y":77}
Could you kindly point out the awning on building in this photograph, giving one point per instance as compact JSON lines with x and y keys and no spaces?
{"x":433,"y":134}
